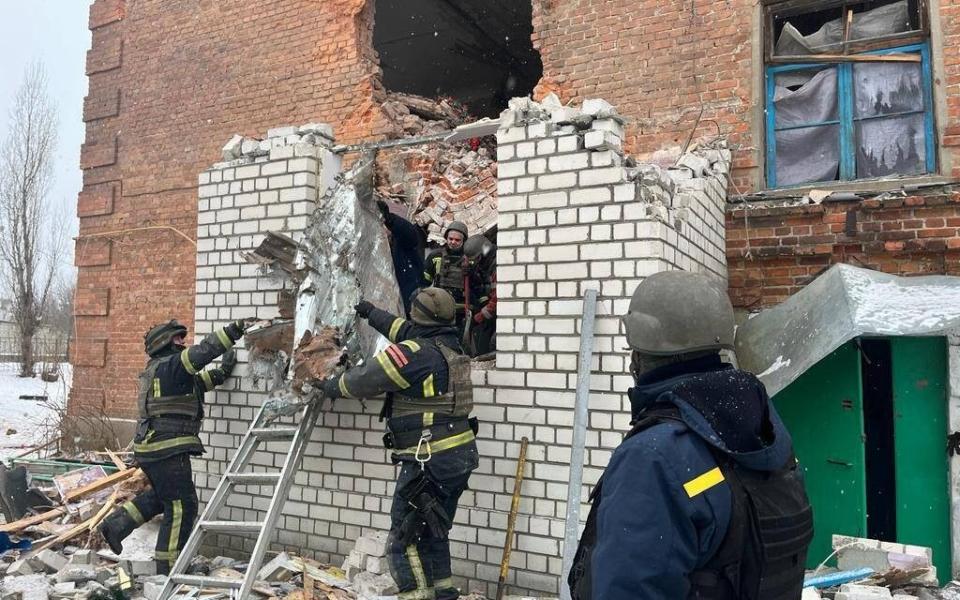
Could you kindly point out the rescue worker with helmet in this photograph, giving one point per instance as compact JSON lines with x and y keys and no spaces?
{"x":170,"y":404}
{"x":481,"y":254}
{"x":704,"y":498}
{"x":429,"y":431}
{"x":448,"y":269}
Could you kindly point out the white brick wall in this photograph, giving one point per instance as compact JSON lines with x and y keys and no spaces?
{"x":570,"y":219}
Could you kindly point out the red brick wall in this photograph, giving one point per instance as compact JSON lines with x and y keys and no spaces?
{"x":773,"y":252}
{"x":660,"y":61}
{"x":170,"y":82}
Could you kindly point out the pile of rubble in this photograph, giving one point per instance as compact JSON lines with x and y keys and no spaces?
{"x":440,"y":182}
{"x":874,"y":570}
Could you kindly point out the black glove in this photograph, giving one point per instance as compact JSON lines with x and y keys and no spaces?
{"x":953,"y":443}
{"x":236,"y":329}
{"x":384,"y":209}
{"x":229,"y":362}
{"x":364,"y":309}
{"x":424,"y":512}
{"x":331,"y":387}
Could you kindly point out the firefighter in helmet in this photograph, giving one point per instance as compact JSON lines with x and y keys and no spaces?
{"x":170,"y":405}
{"x":481,"y":254}
{"x":448,"y":269}
{"x":703,"y":498}
{"x":429,"y":430}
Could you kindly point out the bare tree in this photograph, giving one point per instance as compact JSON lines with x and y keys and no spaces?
{"x":31,"y":239}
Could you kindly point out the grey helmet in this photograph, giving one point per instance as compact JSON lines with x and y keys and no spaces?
{"x":456,"y":226}
{"x":432,"y":307}
{"x":675,"y":312}
{"x":160,"y":336}
{"x":477,"y":246}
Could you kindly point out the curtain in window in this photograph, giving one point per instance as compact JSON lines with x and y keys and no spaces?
{"x":882,"y":21}
{"x":806,"y":152}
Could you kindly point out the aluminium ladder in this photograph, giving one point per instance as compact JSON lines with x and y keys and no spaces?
{"x":236,"y":476}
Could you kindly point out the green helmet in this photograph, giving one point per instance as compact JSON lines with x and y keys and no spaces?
{"x":477,"y":246}
{"x":432,"y":306}
{"x":675,"y":312}
{"x":160,"y":336}
{"x":457,"y":226}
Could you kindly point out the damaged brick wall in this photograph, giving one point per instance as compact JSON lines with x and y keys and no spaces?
{"x":167,"y":85}
{"x":575,"y":214}
{"x":662,"y":63}
{"x":773,"y":251}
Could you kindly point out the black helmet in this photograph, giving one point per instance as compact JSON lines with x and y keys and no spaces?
{"x":160,"y":336}
{"x":432,"y":306}
{"x":477,"y":246}
{"x":456,"y":226}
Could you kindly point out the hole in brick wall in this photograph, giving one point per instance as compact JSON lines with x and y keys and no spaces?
{"x":478,"y":53}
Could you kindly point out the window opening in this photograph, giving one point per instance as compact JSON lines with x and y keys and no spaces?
{"x":837,"y":112}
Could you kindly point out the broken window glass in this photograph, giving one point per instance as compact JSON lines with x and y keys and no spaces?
{"x":850,"y":120}
{"x":828,"y":31}
{"x":807,"y":126}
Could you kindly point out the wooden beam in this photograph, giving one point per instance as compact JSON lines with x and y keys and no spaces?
{"x":100,"y":484}
{"x":34,"y":520}
{"x":87,"y":525}
{"x":844,"y":58}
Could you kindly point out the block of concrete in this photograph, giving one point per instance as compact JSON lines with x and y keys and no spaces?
{"x":372,"y":544}
{"x":77,"y":574}
{"x":321,"y":129}
{"x":233,"y":149}
{"x":222,"y":561}
{"x":810,"y":594}
{"x":368,"y":585}
{"x":103,"y":574}
{"x":67,"y":589}
{"x":357,"y":559}
{"x":281,"y":568}
{"x":82,"y":557}
{"x":853,"y":591}
{"x":47,"y":561}
{"x":350,"y":571}
{"x":598,"y":108}
{"x":142,"y":568}
{"x":905,"y":597}
{"x":19,"y":567}
{"x":152,"y":586}
{"x":377,"y":564}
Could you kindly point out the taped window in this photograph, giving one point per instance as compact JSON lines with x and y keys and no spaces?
{"x":836,"y":112}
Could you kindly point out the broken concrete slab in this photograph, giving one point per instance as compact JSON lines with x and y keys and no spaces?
{"x":82,"y":557}
{"x":29,"y":587}
{"x":855,"y":553}
{"x":281,"y":568}
{"x":372,"y":544}
{"x":369,"y":585}
{"x":152,"y":586}
{"x":47,"y":561}
{"x":233,"y":149}
{"x":77,"y":574}
{"x":852,"y":591}
{"x":20,"y":567}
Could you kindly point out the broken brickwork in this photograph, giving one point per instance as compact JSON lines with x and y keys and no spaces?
{"x":776,"y":248}
{"x":575,"y":214}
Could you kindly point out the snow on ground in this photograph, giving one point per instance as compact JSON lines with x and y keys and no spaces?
{"x":24,"y":423}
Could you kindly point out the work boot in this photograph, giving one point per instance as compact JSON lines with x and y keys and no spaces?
{"x":116,"y":528}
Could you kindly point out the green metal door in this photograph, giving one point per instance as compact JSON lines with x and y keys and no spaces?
{"x":823,"y":411}
{"x":920,"y":426}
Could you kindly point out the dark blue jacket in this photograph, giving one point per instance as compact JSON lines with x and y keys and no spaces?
{"x":407,"y":256}
{"x":663,"y":511}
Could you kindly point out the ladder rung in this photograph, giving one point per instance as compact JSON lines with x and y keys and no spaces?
{"x":274,"y":433}
{"x":203,"y":581}
{"x":253,"y":478}
{"x":231,"y":526}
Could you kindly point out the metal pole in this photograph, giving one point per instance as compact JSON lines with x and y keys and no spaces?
{"x":579,"y":439}
{"x":512,"y":521}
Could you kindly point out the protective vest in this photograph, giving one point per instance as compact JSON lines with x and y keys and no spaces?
{"x":450,"y":275}
{"x":763,"y":554}
{"x":152,"y":404}
{"x":456,"y":402}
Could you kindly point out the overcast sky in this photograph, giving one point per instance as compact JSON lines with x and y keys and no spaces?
{"x":55,"y":33}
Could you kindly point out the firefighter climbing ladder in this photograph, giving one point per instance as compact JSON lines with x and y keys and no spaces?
{"x":236,"y":475}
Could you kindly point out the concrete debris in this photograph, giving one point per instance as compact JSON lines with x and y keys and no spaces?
{"x":853,"y":553}
{"x":366,"y":567}
{"x":371,"y":586}
{"x":47,"y":561}
{"x":19,"y":567}
{"x":77,"y":573}
{"x":852,"y":591}
{"x":281,"y":568}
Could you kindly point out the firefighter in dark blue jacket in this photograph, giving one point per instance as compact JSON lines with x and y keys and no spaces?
{"x":406,"y":246}
{"x":170,"y":405}
{"x":426,"y":378}
{"x":706,"y":469}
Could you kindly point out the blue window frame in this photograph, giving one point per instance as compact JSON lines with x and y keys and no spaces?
{"x":849,"y":120}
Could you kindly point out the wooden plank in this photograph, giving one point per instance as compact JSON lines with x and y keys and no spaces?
{"x":34,"y":520}
{"x":100,"y":484}
{"x":87,"y":525}
{"x":845,"y":58}
{"x":116,"y":460}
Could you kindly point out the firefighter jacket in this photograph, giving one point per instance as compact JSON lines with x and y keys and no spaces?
{"x":170,"y":398}
{"x":426,"y":377}
{"x":452,"y":272}
{"x":666,"y":507}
